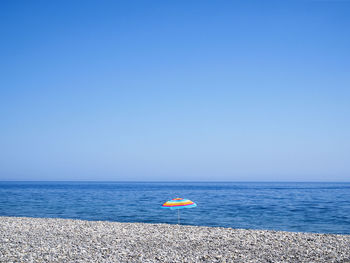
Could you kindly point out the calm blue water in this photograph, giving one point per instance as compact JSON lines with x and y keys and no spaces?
{"x":307,"y":207}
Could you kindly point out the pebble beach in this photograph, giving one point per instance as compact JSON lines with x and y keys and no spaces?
{"x":65,"y":240}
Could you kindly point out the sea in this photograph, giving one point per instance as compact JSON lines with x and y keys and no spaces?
{"x":296,"y":207}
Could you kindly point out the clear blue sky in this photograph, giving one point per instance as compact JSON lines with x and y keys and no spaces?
{"x":175,"y":90}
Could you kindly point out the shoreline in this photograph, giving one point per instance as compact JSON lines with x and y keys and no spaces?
{"x":24,"y":239}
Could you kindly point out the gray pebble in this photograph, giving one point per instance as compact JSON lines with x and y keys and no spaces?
{"x":65,"y":240}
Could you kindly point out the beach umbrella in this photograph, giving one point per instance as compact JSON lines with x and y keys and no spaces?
{"x":178,"y":203}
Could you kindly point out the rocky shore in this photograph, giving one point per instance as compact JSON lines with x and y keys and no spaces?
{"x":64,"y":240}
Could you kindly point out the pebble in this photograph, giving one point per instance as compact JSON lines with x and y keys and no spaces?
{"x":65,"y":240}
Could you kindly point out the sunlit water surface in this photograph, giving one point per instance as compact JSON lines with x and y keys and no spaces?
{"x":307,"y":207}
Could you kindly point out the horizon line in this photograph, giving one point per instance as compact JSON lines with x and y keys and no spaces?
{"x":174,"y":181}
